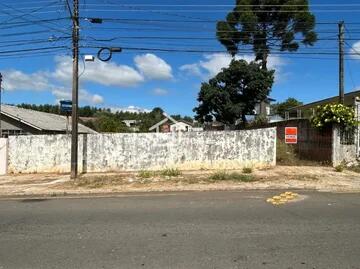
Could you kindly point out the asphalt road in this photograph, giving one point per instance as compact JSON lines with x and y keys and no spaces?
{"x":182,"y":230}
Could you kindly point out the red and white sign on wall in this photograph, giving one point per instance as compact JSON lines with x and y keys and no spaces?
{"x":291,"y":135}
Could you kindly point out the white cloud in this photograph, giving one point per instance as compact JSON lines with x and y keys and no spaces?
{"x":213,"y":63}
{"x":17,"y":80}
{"x":58,"y":81}
{"x":355,"y":50}
{"x":84,"y":96}
{"x":132,"y":109}
{"x":105,"y":73}
{"x":192,"y":69}
{"x":153,"y":67}
{"x":160,"y":92}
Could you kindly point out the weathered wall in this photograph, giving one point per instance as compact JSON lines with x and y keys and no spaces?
{"x":129,"y":152}
{"x":342,"y":153}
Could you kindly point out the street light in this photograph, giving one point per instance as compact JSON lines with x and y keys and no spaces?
{"x":110,"y":51}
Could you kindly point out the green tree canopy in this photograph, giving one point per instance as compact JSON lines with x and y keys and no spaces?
{"x":267,"y":24}
{"x":233,"y":93}
{"x":282,"y":107}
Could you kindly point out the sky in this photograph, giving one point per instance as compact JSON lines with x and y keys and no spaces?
{"x":36,"y":63}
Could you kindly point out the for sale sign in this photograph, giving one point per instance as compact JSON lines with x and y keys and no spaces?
{"x":291,"y":135}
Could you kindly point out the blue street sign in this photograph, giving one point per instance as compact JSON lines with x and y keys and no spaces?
{"x":65,"y":106}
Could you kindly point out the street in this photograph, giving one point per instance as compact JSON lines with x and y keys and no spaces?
{"x":182,"y":230}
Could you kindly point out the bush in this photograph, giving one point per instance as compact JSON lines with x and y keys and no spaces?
{"x":171,"y":172}
{"x":247,"y":170}
{"x":330,"y":114}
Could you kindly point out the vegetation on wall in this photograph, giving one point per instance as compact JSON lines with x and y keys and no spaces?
{"x":330,"y":114}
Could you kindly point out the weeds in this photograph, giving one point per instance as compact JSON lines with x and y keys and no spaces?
{"x":146,"y":174}
{"x":355,"y":168}
{"x":223,"y":175}
{"x":220,"y":175}
{"x":247,"y":170}
{"x":340,"y":168}
{"x":285,"y":154}
{"x":170,"y":172}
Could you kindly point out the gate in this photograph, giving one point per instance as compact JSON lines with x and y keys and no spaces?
{"x":357,"y":113}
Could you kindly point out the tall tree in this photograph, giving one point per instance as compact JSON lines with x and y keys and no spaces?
{"x":233,"y":93}
{"x":282,"y":107}
{"x":267,"y":24}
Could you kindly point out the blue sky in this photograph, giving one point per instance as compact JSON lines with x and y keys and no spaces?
{"x":146,"y":79}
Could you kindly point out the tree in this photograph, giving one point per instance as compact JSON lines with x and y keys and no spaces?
{"x":233,"y":93}
{"x":281,"y":108}
{"x":106,"y":122}
{"x":263,"y":24}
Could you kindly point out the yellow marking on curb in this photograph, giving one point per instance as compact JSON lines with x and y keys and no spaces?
{"x":282,"y":198}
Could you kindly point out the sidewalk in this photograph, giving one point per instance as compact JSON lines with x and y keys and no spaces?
{"x":280,"y":177}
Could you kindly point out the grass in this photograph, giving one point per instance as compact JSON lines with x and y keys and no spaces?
{"x":340,"y":168}
{"x":146,"y":174}
{"x":95,"y":182}
{"x":355,"y":168}
{"x":247,"y":170}
{"x":223,"y":175}
{"x":285,"y":154}
{"x":170,"y":172}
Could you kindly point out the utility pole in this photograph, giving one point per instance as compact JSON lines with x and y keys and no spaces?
{"x":341,"y":62}
{"x":75,"y":91}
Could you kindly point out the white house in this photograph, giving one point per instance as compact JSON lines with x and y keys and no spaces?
{"x":169,"y":124}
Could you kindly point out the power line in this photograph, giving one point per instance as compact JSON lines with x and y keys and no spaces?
{"x":224,"y":11}
{"x":32,"y":49}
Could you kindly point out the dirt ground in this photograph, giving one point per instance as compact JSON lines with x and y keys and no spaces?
{"x":280,"y":177}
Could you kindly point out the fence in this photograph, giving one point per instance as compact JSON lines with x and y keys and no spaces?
{"x":153,"y":151}
{"x":331,"y":145}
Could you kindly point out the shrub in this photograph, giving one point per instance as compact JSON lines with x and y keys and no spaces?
{"x":330,"y":114}
{"x":247,"y":170}
{"x":171,"y":172}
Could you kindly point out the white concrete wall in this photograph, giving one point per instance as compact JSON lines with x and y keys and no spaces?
{"x":342,"y":153}
{"x":153,"y":151}
{"x":3,"y":156}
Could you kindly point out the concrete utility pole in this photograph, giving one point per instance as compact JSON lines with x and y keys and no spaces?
{"x":341,"y":62}
{"x":75,"y":92}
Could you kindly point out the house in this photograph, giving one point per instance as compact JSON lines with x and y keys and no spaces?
{"x":169,"y":124}
{"x":21,"y":121}
{"x":308,"y":110}
{"x":132,"y":124}
{"x":263,"y":108}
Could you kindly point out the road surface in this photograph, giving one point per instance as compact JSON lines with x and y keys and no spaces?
{"x":182,"y":230}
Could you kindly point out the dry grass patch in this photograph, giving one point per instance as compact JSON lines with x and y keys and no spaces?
{"x":99,"y":181}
